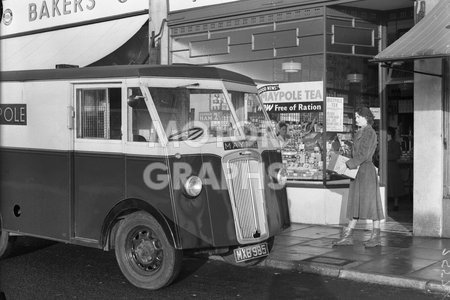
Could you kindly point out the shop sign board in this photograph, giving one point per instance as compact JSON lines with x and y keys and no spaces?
{"x":335,"y":114}
{"x":292,"y":97}
{"x":31,"y":15}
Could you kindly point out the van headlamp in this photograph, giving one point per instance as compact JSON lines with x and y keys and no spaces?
{"x":193,"y":186}
{"x":282,"y":176}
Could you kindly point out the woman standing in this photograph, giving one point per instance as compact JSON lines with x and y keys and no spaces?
{"x":364,"y":199}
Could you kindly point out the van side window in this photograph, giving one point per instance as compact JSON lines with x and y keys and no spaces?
{"x":99,"y":113}
{"x":140,"y":125}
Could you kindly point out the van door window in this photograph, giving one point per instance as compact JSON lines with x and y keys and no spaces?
{"x":99,"y":113}
{"x":140,"y":125}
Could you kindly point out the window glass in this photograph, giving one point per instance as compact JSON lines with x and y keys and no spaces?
{"x":302,"y":152}
{"x":191,"y":113}
{"x":140,"y":125}
{"x":99,"y":113}
{"x":354,"y":81}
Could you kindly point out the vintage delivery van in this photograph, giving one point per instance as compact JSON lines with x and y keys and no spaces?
{"x":149,"y":161}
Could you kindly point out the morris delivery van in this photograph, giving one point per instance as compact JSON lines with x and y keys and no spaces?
{"x":151,"y":162}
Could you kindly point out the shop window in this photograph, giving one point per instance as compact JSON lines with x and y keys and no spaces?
{"x":302,"y":154}
{"x":99,"y":113}
{"x":351,"y":82}
{"x":209,"y":47}
{"x":300,"y":106}
{"x":353,"y":36}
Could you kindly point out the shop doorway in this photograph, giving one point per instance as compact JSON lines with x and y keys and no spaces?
{"x":400,"y":127}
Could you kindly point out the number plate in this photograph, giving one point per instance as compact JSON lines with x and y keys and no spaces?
{"x":250,"y":252}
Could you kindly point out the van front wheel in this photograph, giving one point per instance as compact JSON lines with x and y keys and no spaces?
{"x":144,"y":253}
{"x":6,"y":243}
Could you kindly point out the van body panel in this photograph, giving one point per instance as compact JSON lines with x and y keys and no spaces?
{"x":99,"y":183}
{"x":277,"y":204}
{"x":58,"y":184}
{"x":35,"y":192}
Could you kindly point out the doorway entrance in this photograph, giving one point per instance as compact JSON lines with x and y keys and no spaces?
{"x":400,"y":124}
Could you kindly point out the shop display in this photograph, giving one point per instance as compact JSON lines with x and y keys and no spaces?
{"x":302,"y":155}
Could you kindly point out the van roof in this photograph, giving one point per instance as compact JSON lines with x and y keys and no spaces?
{"x":179,"y":71}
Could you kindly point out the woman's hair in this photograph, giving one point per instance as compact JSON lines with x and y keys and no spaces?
{"x":365,"y":112}
{"x":282,"y":124}
{"x":391,"y":131}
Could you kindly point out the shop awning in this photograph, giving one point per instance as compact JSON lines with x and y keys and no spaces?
{"x":430,"y":38}
{"x":79,"y":46}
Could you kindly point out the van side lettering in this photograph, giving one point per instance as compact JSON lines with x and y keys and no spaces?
{"x":240,"y":145}
{"x":32,"y":12}
{"x":54,"y":8}
{"x":13,"y":114}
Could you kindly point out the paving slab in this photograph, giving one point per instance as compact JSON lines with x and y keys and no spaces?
{"x":402,"y":260}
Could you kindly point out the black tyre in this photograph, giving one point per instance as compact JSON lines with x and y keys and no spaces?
{"x":144,"y":253}
{"x":229,"y":256}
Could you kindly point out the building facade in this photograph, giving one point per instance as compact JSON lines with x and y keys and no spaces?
{"x":290,"y":47}
{"x":315,"y":61}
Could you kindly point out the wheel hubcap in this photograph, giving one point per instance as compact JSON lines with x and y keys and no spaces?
{"x":146,"y":250}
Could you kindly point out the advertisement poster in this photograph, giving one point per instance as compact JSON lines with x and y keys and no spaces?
{"x":292,"y":97}
{"x":376,"y":112}
{"x":335,"y":114}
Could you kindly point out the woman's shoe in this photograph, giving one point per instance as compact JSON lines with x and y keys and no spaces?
{"x":346,"y":238}
{"x":375,"y":239}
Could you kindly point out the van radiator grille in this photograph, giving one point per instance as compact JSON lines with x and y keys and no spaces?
{"x":248,"y":194}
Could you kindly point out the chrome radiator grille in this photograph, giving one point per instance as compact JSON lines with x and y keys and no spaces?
{"x":247,"y":195}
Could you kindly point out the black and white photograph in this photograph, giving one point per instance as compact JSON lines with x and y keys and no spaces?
{"x":224,"y":149}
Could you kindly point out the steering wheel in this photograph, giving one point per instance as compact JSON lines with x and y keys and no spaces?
{"x":189,"y":134}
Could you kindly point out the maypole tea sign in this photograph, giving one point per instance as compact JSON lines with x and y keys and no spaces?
{"x":292,"y":97}
{"x":13,"y":114}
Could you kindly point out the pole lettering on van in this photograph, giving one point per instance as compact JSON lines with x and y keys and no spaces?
{"x":13,"y":114}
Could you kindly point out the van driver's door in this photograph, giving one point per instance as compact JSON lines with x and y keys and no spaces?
{"x":99,"y":169}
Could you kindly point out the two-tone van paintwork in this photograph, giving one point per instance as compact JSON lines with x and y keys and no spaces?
{"x":60,"y":180}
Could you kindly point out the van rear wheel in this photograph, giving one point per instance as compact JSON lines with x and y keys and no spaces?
{"x":144,"y":254}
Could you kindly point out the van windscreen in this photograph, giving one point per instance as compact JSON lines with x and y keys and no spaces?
{"x":190,"y":113}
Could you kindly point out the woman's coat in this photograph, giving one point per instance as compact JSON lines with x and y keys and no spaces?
{"x":364,"y":199}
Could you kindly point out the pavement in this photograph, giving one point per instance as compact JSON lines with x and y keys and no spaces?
{"x":403,"y":260}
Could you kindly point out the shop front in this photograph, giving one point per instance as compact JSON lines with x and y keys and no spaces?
{"x":424,"y":52}
{"x":312,"y":60}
